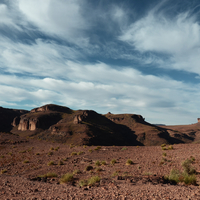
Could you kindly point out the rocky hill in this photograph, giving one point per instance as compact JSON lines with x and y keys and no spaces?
{"x":61,"y":124}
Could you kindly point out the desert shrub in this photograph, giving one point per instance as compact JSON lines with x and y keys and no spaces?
{"x":164,"y":154}
{"x":174,"y":176}
{"x":129,"y":162}
{"x":164,"y":148}
{"x":77,"y":171}
{"x":67,"y":178}
{"x":99,"y":169}
{"x":170,"y":147}
{"x":26,"y":161}
{"x":187,"y":167}
{"x":50,"y":153}
{"x":50,"y":163}
{"x":113,"y":161}
{"x":115,"y":173}
{"x":163,"y":145}
{"x":73,"y":153}
{"x":147,"y":173}
{"x":93,"y":180}
{"x":24,"y":151}
{"x":84,"y":146}
{"x":2,"y":156}
{"x":37,"y":154}
{"x":3,"y":171}
{"x":60,"y":162}
{"x":97,"y":163}
{"x":124,"y":148}
{"x":80,"y":152}
{"x":90,"y":150}
{"x":51,"y":148}
{"x":65,"y":159}
{"x":83,"y":183}
{"x":192,"y":158}
{"x":88,"y":168}
{"x":48,"y":175}
{"x":13,"y":147}
{"x":97,"y":148}
{"x":56,"y":149}
{"x":189,"y":179}
{"x":103,"y":162}
{"x":71,"y":146}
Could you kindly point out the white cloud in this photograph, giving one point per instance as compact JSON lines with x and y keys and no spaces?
{"x":59,"y":18}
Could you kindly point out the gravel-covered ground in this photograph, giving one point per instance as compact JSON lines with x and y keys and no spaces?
{"x":23,"y":161}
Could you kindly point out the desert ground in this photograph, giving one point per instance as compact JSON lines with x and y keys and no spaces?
{"x":34,"y":169}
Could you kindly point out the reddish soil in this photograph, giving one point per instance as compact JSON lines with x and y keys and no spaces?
{"x":141,"y":180}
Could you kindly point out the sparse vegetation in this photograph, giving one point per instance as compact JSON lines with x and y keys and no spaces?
{"x":170,"y":147}
{"x":90,"y":150}
{"x":60,"y":162}
{"x":66,"y":178}
{"x":124,"y":148}
{"x":77,"y":171}
{"x":24,"y":151}
{"x":113,"y":161}
{"x":48,"y":175}
{"x":129,"y":162}
{"x":187,"y":176}
{"x":73,"y":153}
{"x":163,"y":145}
{"x":99,"y":169}
{"x":26,"y":161}
{"x":103,"y":162}
{"x":50,"y":163}
{"x":97,"y":148}
{"x":50,"y":153}
{"x":83,"y":183}
{"x":93,"y":180}
{"x":115,"y":173}
{"x":97,"y":163}
{"x":3,"y":171}
{"x":80,"y":152}
{"x":164,"y":154}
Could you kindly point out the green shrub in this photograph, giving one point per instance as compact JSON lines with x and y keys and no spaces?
{"x":24,"y":151}
{"x":3,"y":171}
{"x":174,"y":176}
{"x":99,"y":169}
{"x":50,"y":163}
{"x":90,"y":150}
{"x":124,"y":148}
{"x":49,"y":175}
{"x":129,"y":162}
{"x":83,"y":183}
{"x":51,"y":148}
{"x":26,"y":161}
{"x":73,"y":153}
{"x":190,"y":179}
{"x":164,"y":148}
{"x":115,"y":173}
{"x":170,"y":147}
{"x":164,"y":154}
{"x":187,"y":167}
{"x":77,"y":171}
{"x":50,"y":153}
{"x":60,"y":162}
{"x":79,"y":153}
{"x":103,"y":162}
{"x":113,"y":161}
{"x":97,"y":163}
{"x":93,"y":180}
{"x":97,"y":148}
{"x":163,"y":145}
{"x":66,"y":178}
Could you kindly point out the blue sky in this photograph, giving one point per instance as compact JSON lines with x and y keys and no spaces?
{"x":130,"y":56}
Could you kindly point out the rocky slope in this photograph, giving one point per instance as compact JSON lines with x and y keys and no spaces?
{"x":78,"y":127}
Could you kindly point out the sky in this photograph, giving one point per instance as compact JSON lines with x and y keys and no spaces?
{"x":140,"y":57}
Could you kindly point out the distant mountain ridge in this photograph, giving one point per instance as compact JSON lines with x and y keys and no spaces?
{"x":78,"y":127}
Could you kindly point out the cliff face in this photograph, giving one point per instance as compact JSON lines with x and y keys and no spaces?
{"x":61,"y":124}
{"x":7,"y":116}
